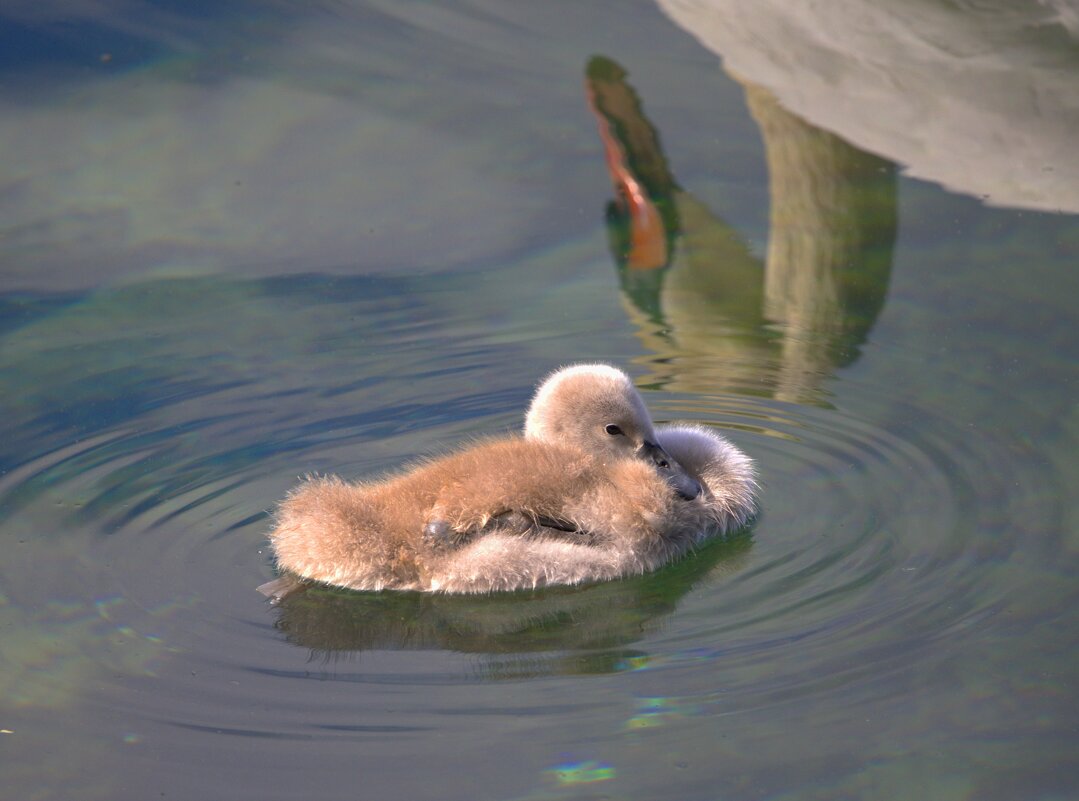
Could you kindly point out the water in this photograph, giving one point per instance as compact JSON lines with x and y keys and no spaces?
{"x":239,"y":245}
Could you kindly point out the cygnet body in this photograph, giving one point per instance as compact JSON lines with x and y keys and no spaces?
{"x":591,"y":491}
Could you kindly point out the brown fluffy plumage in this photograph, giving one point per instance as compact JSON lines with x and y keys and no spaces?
{"x":570,"y":501}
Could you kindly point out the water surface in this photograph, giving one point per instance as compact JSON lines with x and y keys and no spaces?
{"x":241,"y":244}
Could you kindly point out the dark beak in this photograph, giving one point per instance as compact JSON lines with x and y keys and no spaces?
{"x":682,"y":482}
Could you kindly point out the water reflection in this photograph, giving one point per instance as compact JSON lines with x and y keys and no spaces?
{"x":511,"y":630}
{"x":256,"y":138}
{"x":718,"y":317}
{"x":902,"y":624}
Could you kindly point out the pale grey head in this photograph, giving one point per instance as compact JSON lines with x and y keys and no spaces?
{"x":597,"y":408}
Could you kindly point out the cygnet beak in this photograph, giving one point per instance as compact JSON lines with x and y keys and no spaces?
{"x":683,"y":483}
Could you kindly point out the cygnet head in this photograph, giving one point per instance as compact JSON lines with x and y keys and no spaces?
{"x":597,"y":408}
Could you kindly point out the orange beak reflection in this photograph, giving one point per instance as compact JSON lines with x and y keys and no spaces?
{"x":648,"y":239}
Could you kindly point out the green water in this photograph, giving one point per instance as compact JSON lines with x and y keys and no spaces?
{"x":253,"y":243}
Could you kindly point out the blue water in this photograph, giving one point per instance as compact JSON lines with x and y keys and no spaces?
{"x":241,"y":244}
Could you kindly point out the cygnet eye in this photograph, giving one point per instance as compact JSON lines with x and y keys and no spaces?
{"x":613,"y":430}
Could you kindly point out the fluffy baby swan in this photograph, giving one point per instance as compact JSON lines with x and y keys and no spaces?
{"x":592,"y":491}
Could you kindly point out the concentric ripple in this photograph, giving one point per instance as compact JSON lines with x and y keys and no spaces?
{"x":863,"y":557}
{"x":873,"y":559}
{"x":891,"y":541}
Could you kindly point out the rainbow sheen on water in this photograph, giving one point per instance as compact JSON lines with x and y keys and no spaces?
{"x":584,"y":772}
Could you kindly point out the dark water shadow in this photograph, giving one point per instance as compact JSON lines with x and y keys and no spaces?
{"x":543,"y":631}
